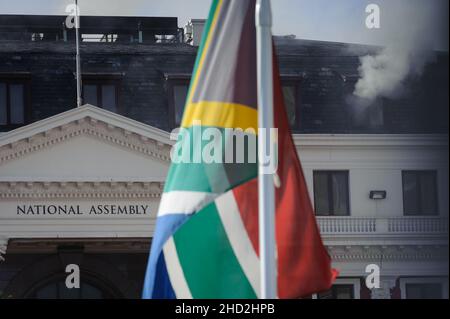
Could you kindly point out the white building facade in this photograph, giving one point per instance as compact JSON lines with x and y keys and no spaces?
{"x":87,"y":183}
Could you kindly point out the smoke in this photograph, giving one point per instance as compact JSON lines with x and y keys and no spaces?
{"x":410,"y":33}
{"x":385,"y":74}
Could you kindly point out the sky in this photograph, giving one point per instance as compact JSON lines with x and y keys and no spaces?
{"x":326,"y":20}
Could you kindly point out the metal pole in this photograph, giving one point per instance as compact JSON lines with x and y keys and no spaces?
{"x":77,"y":44}
{"x":266,"y":191}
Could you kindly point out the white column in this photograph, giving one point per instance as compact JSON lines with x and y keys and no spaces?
{"x":384,"y":292}
{"x":3,"y":245}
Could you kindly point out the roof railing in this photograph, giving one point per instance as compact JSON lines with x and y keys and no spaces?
{"x":148,"y":36}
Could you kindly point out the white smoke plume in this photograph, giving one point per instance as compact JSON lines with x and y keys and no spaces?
{"x":383,"y":75}
{"x":409,"y":32}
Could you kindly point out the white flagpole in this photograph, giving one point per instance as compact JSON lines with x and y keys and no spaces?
{"x":78,"y":64}
{"x":266,"y":191}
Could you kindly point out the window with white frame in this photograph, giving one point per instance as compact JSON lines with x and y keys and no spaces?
{"x":343,"y":288}
{"x":424,"y":288}
{"x":331,"y":193}
{"x":177,"y":88}
{"x":420,"y":192}
{"x":14,"y":101}
{"x":100,"y":93}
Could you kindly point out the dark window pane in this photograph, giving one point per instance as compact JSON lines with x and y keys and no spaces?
{"x":68,"y":293}
{"x":16,"y":92}
{"x":3,"y":111}
{"x":58,"y":290}
{"x":179,"y":96}
{"x":90,"y":292}
{"x":49,"y":291}
{"x":423,"y":291}
{"x":90,"y":94}
{"x":340,"y":193}
{"x":428,"y":193}
{"x":321,"y":193}
{"x":338,"y":292}
{"x":331,"y":193}
{"x":109,"y":97}
{"x":419,"y":193}
{"x":290,"y":103}
{"x":410,"y":193}
{"x":344,"y":292}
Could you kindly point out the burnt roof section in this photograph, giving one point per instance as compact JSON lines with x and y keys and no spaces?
{"x":110,"y":49}
{"x":324,"y":74}
{"x":97,"y":23}
{"x":311,"y":48}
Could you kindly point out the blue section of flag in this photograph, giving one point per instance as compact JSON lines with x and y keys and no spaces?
{"x":161,"y":288}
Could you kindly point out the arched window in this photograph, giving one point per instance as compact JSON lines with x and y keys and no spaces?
{"x":55,"y":288}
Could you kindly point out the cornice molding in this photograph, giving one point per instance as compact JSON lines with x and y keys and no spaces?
{"x":388,"y":253}
{"x":91,"y":245}
{"x":86,"y":111}
{"x":371,"y":140}
{"x":87,"y":126}
{"x":45,"y":190}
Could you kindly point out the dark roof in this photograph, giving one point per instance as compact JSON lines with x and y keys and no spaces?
{"x":311,"y":48}
{"x":98,"y":48}
{"x":325,"y":72}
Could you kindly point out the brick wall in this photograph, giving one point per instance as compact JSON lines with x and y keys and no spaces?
{"x":324,"y":69}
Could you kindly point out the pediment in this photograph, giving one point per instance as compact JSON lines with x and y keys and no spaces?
{"x":86,"y":144}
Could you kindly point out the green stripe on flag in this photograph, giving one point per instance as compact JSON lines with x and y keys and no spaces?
{"x":213,"y":177}
{"x":194,"y":177}
{"x":208,"y":261}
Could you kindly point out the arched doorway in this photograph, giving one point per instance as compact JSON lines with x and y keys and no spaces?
{"x":55,"y":288}
{"x":44,"y":278}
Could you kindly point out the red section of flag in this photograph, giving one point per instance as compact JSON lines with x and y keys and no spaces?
{"x":304,"y":266}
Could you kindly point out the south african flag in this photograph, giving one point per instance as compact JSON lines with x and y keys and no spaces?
{"x":206,"y":239}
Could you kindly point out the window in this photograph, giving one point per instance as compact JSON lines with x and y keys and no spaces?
{"x":57,"y":290}
{"x":13,"y":102}
{"x":423,"y":291}
{"x":424,"y":288}
{"x":331,"y":193}
{"x":340,"y":291}
{"x":103,"y":93}
{"x":419,"y":193}
{"x":290,"y":88}
{"x":179,"y":100}
{"x":290,"y":102}
{"x":177,"y":89}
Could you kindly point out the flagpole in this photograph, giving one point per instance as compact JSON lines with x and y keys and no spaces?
{"x":266,"y":191}
{"x":77,"y":58}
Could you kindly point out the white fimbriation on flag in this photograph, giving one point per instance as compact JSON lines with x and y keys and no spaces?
{"x":266,"y":190}
{"x":77,"y":44}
